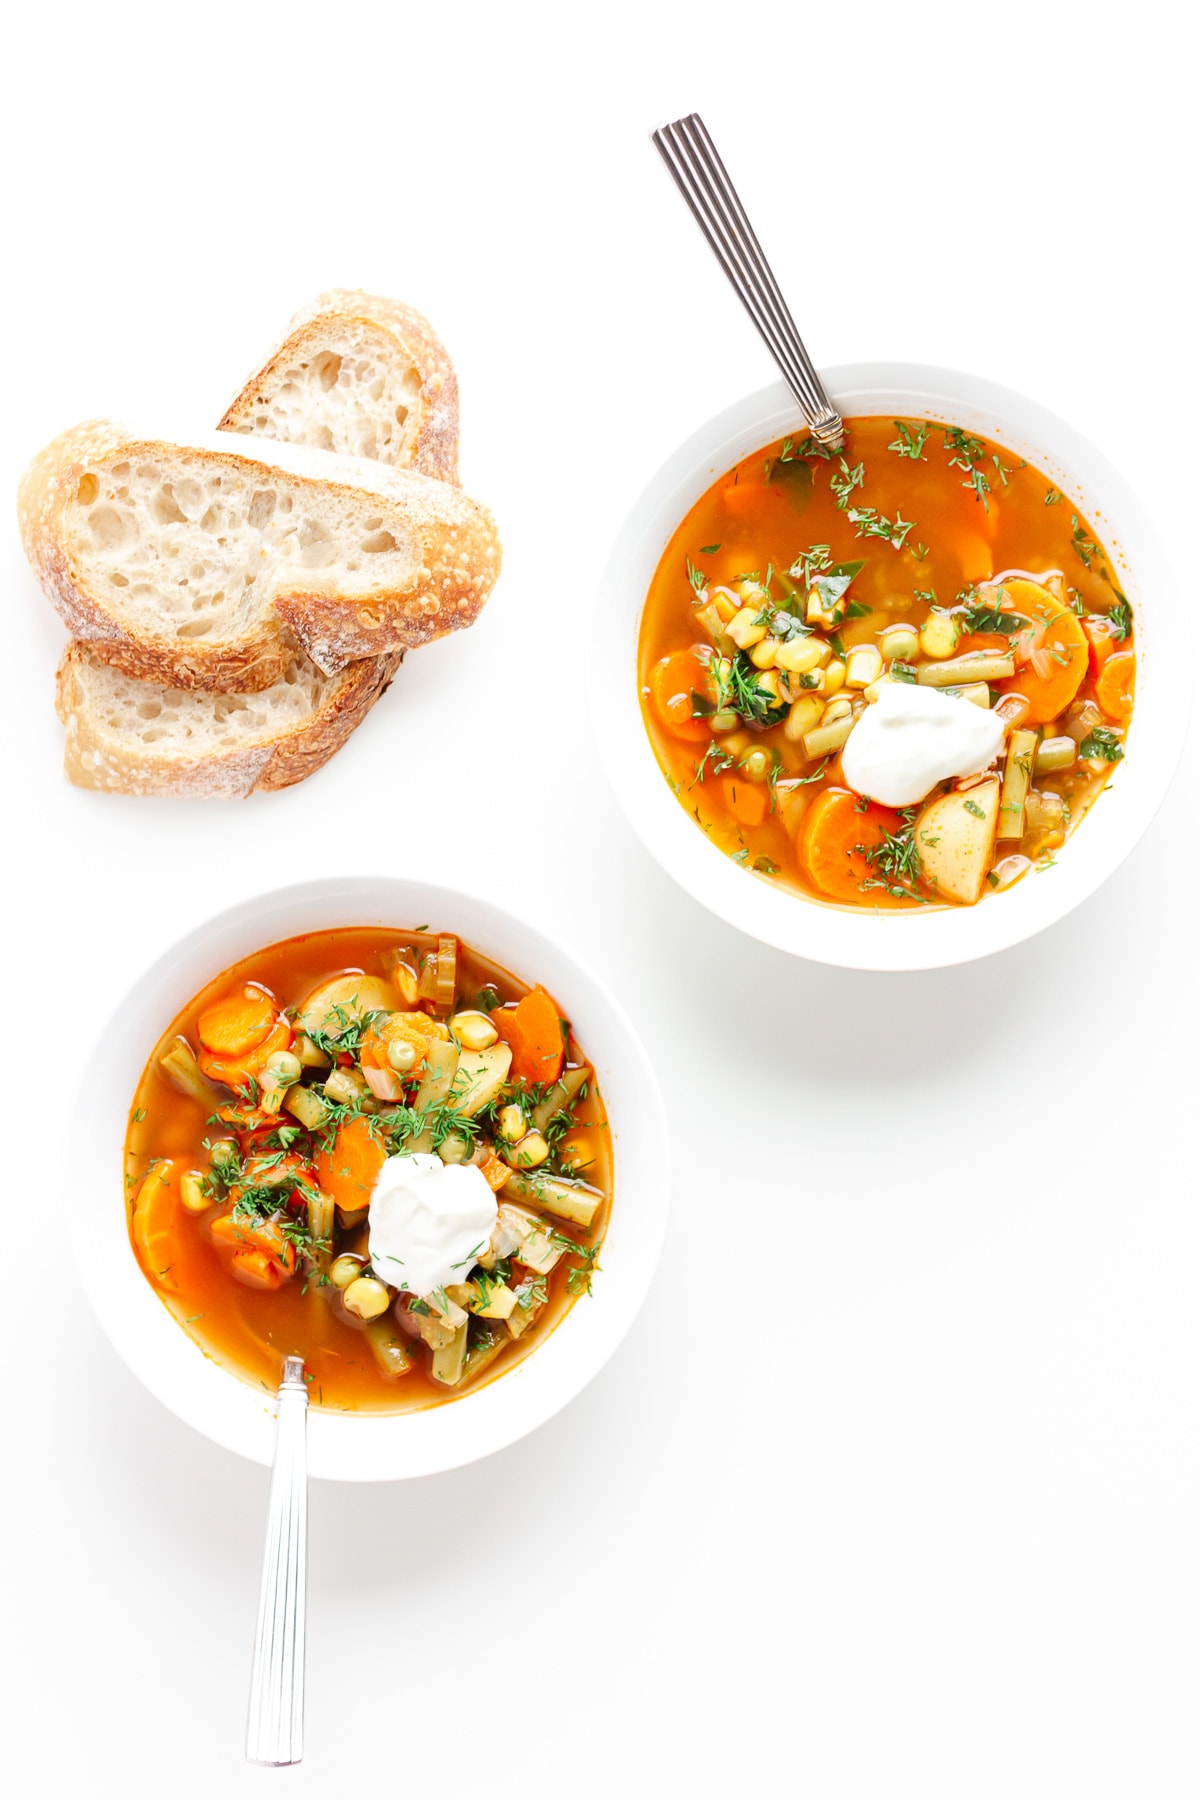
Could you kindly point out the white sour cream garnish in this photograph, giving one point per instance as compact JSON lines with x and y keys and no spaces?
{"x":428,"y":1220}
{"x":912,"y":738}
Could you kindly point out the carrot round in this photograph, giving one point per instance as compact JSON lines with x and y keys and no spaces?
{"x":1115,"y":684}
{"x":153,"y":1212}
{"x":746,"y":801}
{"x":348,"y":1170}
{"x":238,"y":1023}
{"x":1101,"y":643}
{"x":255,"y":1269}
{"x":673,"y":681}
{"x":248,"y":1234}
{"x":239,"y":1071}
{"x":1052,"y":660}
{"x":533,"y":1031}
{"x":837,"y":828}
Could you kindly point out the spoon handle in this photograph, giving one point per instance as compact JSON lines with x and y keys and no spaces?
{"x":702,"y":179}
{"x":275,"y":1728}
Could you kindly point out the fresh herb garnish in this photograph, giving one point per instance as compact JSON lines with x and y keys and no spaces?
{"x":869,"y":523}
{"x":1103,"y":743}
{"x":910,"y":442}
{"x":843,"y":480}
{"x":1085,"y":548}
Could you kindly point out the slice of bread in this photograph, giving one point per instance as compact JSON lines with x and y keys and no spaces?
{"x":137,"y":737}
{"x":360,"y":375}
{"x":194,"y":565}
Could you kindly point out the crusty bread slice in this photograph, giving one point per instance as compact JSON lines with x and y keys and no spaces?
{"x":137,"y":737}
{"x":194,"y":564}
{"x":361,"y":375}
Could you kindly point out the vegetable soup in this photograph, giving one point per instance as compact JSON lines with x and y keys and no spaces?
{"x":894,"y":676}
{"x":375,"y":1150}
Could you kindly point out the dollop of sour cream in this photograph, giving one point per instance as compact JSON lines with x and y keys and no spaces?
{"x":912,"y":738}
{"x":428,"y":1221}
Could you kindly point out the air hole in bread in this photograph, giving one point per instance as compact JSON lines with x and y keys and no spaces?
{"x":262,"y":508}
{"x":376,"y":389}
{"x":325,"y":438}
{"x":194,"y":628}
{"x":401,"y":414}
{"x":326,"y":368}
{"x":317,"y":549}
{"x":379,"y":541}
{"x":149,"y":709}
{"x":119,"y":580}
{"x":109,"y":528}
{"x":167,"y":509}
{"x":285,"y":503}
{"x":120,"y":471}
{"x":209,"y":520}
{"x":87,"y":490}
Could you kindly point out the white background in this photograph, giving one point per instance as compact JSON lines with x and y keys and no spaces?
{"x":912,"y":1508}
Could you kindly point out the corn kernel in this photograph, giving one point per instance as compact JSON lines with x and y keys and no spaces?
{"x":191,"y":1191}
{"x":766,"y":654}
{"x":863,"y":666}
{"x":805,"y":714}
{"x":800,"y":654}
{"x":474,"y":1030}
{"x":939,"y":636}
{"x":744,"y":628}
{"x":512,"y":1124}
{"x":835,"y":676}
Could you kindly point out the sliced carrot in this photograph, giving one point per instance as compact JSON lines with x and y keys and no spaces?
{"x":743,"y":498}
{"x":238,"y":1072}
{"x":533,"y":1031}
{"x":348,"y":1170}
{"x":153,"y":1212}
{"x":837,"y":828}
{"x":1052,"y":659}
{"x":673,"y":681}
{"x":238,"y":1023}
{"x":256,"y":1269}
{"x":746,"y":801}
{"x":264,"y":1235}
{"x":415,"y":1028}
{"x":983,"y":643}
{"x":1115,"y":684}
{"x":494,"y":1169}
{"x":1101,"y":643}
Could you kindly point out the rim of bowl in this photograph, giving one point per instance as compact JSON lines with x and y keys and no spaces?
{"x":845,"y":937}
{"x":364,"y":1446}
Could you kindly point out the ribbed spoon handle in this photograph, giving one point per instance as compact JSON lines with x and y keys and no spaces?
{"x":275,"y":1728}
{"x":702,"y":179}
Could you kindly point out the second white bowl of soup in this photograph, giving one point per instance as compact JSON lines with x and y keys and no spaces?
{"x":801,"y":662}
{"x":205,"y":1224}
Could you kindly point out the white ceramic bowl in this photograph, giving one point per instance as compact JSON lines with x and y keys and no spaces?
{"x":895,"y":940}
{"x":367,"y":1447}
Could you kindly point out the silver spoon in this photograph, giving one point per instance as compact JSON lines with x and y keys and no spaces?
{"x":275,"y":1727}
{"x":701,"y":177}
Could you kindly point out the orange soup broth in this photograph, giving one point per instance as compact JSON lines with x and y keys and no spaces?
{"x":748,"y":522}
{"x":249,"y":1331}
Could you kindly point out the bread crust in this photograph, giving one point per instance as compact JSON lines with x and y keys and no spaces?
{"x":459,"y":555}
{"x":93,"y":758}
{"x":432,"y":447}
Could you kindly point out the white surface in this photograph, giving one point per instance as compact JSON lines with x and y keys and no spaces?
{"x":936,"y":1533}
{"x":935,"y":937}
{"x":344,"y":1446}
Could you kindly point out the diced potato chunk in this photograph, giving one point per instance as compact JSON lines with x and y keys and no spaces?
{"x":335,"y":1004}
{"x":955,"y":835}
{"x":480,"y":1076}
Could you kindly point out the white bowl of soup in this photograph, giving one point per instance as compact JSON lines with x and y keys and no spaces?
{"x":900,"y":706}
{"x":264,"y":1083}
